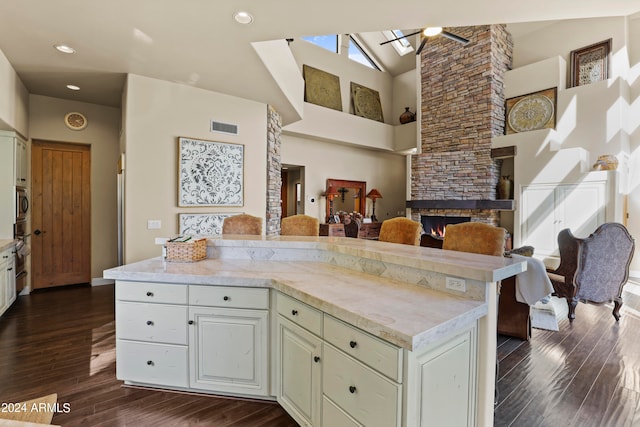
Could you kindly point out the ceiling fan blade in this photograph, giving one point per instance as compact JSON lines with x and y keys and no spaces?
{"x":457,"y":38}
{"x":424,"y":40}
{"x":398,"y":38}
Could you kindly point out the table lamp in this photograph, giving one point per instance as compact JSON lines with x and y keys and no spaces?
{"x":330,"y":194}
{"x":373,"y":195}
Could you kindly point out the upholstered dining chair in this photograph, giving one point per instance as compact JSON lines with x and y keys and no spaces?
{"x":475,"y":237}
{"x":400,"y":230}
{"x":299,"y":225}
{"x":594,"y":269}
{"x":242,"y":224}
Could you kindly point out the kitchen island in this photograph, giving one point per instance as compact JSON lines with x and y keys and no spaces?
{"x":340,"y":331}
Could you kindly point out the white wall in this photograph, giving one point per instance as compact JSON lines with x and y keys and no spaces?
{"x":46,"y":116}
{"x":157,"y":113}
{"x":324,"y":160}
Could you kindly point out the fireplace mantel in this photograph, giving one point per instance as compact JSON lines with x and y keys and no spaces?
{"x":499,"y":205}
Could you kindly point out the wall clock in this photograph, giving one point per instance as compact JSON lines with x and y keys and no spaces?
{"x":75,"y":121}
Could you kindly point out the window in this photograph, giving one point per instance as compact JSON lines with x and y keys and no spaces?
{"x":356,"y":53}
{"x":402,"y":46}
{"x":329,"y":42}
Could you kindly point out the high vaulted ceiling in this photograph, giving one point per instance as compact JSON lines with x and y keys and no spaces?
{"x":197,"y":42}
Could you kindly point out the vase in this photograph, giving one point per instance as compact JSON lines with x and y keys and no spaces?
{"x":407,"y":116}
{"x":504,"y":187}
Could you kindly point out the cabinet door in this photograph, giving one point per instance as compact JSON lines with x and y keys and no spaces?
{"x":21,"y":161}
{"x":298,"y":368}
{"x":228,"y":350}
{"x":538,"y":218}
{"x":580,"y":207}
{"x":4,"y":283}
{"x":10,"y":295}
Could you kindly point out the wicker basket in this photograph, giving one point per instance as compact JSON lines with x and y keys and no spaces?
{"x":191,"y":251}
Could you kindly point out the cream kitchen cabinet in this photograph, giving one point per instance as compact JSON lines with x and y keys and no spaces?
{"x":299,"y":360}
{"x":228,"y":340}
{"x":547,"y":209}
{"x":21,"y":162}
{"x":7,"y":279}
{"x":201,"y":338}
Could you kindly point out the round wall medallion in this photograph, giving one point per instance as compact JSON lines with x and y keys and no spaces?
{"x":75,"y":121}
{"x":531,"y":113}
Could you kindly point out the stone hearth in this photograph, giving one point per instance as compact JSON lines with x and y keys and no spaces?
{"x":462,"y":109}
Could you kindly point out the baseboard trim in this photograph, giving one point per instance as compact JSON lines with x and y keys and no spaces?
{"x":100,"y":281}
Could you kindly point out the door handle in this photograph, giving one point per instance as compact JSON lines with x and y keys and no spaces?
{"x":38,"y":232}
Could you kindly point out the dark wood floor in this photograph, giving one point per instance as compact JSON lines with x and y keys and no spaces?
{"x":587,"y":374}
{"x":63,"y":341}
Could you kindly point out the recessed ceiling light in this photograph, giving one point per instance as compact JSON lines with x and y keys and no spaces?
{"x":73,"y":87}
{"x":243,"y":17}
{"x":64,"y":48}
{"x":432,"y":31}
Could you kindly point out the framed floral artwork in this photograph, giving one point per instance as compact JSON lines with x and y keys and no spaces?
{"x":590,"y":64}
{"x":210,"y":173}
{"x":531,"y":112}
{"x":207,"y":224}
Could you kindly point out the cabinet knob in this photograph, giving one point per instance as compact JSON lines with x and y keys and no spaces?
{"x":294,"y":312}
{"x":226,"y":298}
{"x":9,"y":269}
{"x":150,"y":322}
{"x":352,"y":389}
{"x":5,"y":256}
{"x":316,"y":359}
{"x":353,"y":344}
{"x":149,"y":294}
{"x":190,"y":322}
{"x":150,"y":362}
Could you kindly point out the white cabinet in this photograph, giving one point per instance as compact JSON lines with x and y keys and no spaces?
{"x":21,"y":163}
{"x":299,"y":360}
{"x":203,"y":338}
{"x":547,"y":209}
{"x":7,"y":279}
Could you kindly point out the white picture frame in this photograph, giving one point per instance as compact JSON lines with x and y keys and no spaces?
{"x":210,"y":173}
{"x":205,"y":224}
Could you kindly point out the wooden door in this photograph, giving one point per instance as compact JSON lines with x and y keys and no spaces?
{"x":61,"y":214}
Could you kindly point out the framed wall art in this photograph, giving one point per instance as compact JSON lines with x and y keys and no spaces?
{"x":531,"y":112}
{"x":590,"y":64}
{"x":321,"y":88}
{"x":210,"y":173}
{"x":207,"y":224}
{"x":366,"y":102}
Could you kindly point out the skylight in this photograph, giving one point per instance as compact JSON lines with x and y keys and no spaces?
{"x":402,"y":46}
{"x":358,"y":54}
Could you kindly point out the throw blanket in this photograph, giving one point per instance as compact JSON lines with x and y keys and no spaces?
{"x":534,"y":284}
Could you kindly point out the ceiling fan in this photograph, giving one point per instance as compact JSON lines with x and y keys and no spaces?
{"x":430,"y":32}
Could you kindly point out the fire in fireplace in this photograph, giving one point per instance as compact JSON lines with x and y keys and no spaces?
{"x":435,"y":225}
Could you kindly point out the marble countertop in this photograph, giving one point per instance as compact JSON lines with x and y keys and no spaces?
{"x":407,"y":315}
{"x":6,"y":243}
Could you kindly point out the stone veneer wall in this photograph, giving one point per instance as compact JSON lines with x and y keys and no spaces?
{"x":274,"y":166}
{"x":462,"y":109}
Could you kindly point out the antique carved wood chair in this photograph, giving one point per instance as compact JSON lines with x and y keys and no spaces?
{"x":299,"y":225}
{"x":594,"y":269}
{"x":242,"y":224}
{"x":400,"y":230}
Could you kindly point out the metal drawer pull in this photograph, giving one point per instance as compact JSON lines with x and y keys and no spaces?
{"x":150,"y":322}
{"x":149,"y":294}
{"x":352,"y":389}
{"x":316,"y":359}
{"x":294,"y":312}
{"x":353,"y":344}
{"x":190,"y":322}
{"x":150,"y":362}
{"x":226,"y":298}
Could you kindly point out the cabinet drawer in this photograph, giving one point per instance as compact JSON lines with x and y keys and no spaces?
{"x":229,"y":296}
{"x":365,"y":395}
{"x":161,"y":364}
{"x":160,"y":323}
{"x":333,"y":416}
{"x":151,"y":292}
{"x":372,"y":351}
{"x":300,"y":313}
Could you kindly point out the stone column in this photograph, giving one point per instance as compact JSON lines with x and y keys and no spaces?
{"x":274,"y":166}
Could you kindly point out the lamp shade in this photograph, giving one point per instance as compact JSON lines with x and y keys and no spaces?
{"x":331,"y":191}
{"x":374,"y":194}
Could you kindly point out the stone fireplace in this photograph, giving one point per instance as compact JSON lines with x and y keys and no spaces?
{"x":462,"y":108}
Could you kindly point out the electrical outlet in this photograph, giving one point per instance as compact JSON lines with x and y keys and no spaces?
{"x":456,"y":284}
{"x":154,"y":224}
